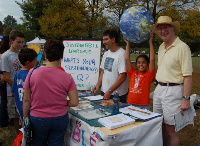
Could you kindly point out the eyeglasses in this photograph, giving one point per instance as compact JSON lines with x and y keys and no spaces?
{"x":163,"y":28}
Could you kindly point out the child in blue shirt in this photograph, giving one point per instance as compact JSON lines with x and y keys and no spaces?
{"x":28,"y":59}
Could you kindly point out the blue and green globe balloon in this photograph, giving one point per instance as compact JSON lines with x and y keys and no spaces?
{"x":135,"y":24}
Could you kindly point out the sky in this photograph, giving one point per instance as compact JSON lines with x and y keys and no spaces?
{"x":9,"y":7}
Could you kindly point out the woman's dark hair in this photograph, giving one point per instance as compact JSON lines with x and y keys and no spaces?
{"x":53,"y":50}
{"x":112,"y":33}
{"x":143,"y":56}
{"x":26,"y":54}
{"x":5,"y":44}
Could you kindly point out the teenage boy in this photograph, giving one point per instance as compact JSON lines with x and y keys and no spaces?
{"x":10,"y":65}
{"x":28,"y":59}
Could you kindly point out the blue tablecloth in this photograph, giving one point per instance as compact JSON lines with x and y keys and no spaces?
{"x":95,"y":122}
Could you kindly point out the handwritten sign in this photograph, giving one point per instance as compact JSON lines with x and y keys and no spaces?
{"x":81,"y":59}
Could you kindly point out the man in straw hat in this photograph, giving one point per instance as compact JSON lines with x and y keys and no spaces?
{"x":174,"y":76}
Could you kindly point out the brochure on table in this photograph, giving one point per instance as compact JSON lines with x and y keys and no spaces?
{"x":82,"y":106}
{"x":116,"y":121}
{"x":94,"y":114}
{"x":142,"y":114}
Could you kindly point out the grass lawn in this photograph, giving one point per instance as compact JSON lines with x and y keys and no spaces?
{"x":189,"y":135}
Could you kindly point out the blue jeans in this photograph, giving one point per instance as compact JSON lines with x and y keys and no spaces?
{"x":3,"y":105}
{"x":49,"y":131}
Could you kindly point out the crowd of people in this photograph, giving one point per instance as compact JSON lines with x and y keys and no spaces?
{"x":36,"y":92}
{"x":173,"y":74}
{"x":41,"y":91}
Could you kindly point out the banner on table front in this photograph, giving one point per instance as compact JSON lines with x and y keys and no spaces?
{"x":81,"y":59}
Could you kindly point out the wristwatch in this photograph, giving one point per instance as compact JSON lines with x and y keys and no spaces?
{"x":186,"y":97}
{"x":111,"y":91}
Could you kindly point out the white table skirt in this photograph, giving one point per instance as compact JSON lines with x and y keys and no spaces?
{"x":79,"y":133}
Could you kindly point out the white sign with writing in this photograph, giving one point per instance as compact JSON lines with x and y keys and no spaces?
{"x":81,"y":59}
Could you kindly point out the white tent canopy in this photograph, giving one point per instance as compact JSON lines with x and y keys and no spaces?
{"x":37,"y":41}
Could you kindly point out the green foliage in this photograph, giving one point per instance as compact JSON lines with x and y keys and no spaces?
{"x":32,"y":11}
{"x":95,"y":20}
{"x":63,"y":19}
{"x":9,"y":22}
{"x":88,"y":18}
{"x":29,"y":34}
{"x":1,"y":28}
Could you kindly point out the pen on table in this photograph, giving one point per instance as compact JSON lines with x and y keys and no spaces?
{"x":139,"y":111}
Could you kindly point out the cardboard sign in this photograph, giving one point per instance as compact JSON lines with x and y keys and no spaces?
{"x":81,"y":59}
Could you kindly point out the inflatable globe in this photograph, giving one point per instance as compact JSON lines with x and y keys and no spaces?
{"x":135,"y":24}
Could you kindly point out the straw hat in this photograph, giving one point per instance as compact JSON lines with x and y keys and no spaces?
{"x":166,"y":20}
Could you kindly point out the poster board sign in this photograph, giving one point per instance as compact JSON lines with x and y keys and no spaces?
{"x":81,"y":59}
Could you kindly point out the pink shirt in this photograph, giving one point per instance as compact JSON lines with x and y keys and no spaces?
{"x":49,"y":87}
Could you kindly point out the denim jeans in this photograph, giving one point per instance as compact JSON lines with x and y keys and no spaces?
{"x":3,"y":105}
{"x":49,"y":131}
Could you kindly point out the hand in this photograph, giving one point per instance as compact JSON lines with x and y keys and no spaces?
{"x":107,"y":95}
{"x":1,"y":78}
{"x":94,"y":90}
{"x":126,"y":41}
{"x":185,"y":104}
{"x":23,"y":124}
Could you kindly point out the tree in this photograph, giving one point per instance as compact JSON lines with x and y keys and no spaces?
{"x":188,"y":14}
{"x":63,"y":19}
{"x":9,"y":22}
{"x":184,"y":11}
{"x":115,"y":8}
{"x":29,"y":34}
{"x":77,"y":18}
{"x":1,"y":28}
{"x":32,"y":11}
{"x":87,"y":18}
{"x":95,"y":18}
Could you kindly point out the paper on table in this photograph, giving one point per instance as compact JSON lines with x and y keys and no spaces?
{"x":180,"y":121}
{"x":93,"y":114}
{"x":97,"y":97}
{"x":82,"y":107}
{"x":115,"y":121}
{"x":139,"y":113}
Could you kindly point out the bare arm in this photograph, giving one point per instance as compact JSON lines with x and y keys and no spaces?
{"x":187,"y":92}
{"x":127,"y":55}
{"x":7,"y":78}
{"x":151,"y":54}
{"x":96,"y":88}
{"x":1,"y":78}
{"x":121,"y":78}
{"x":73,"y":96}
{"x":26,"y":102}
